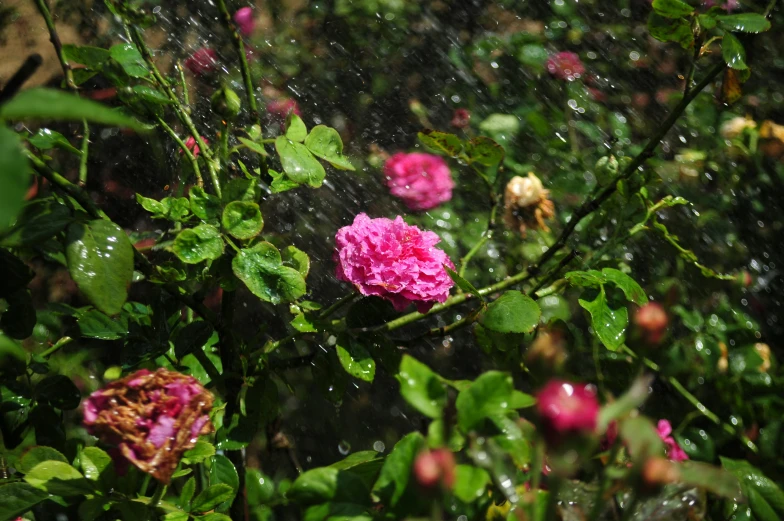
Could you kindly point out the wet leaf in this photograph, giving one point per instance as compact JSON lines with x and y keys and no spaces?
{"x":94,"y":324}
{"x":15,"y":178}
{"x":58,"y":478}
{"x":222,"y":471}
{"x":632,"y":290}
{"x":203,"y":205}
{"x":242,"y":219}
{"x":484,"y":151}
{"x":46,"y":139}
{"x":512,"y":312}
{"x":200,"y":452}
{"x":262,"y":271}
{"x":59,"y":391}
{"x":672,"y":8}
{"x":298,"y":163}
{"x":442,"y":142}
{"x":212,"y":497}
{"x":295,"y":258}
{"x":16,"y":274}
{"x":324,"y":142}
{"x":744,"y":22}
{"x":765,"y":496}
{"x":39,"y":221}
{"x":295,"y":128}
{"x":609,"y":324}
{"x":198,"y":244}
{"x":396,"y":472}
{"x":130,"y":59}
{"x":95,"y":463}
{"x":421,"y":387}
{"x":192,"y":337}
{"x":489,"y":396}
{"x":260,"y":487}
{"x":36,"y":455}
{"x":470,"y":483}
{"x":641,"y":438}
{"x":91,"y":57}
{"x":731,"y":90}
{"x":43,"y":104}
{"x":463,"y":283}
{"x":355,"y":359}
{"x":18,"y":498}
{"x":19,"y":319}
{"x":12,"y":356}
{"x":671,"y":30}
{"x":100,"y":260}
{"x":733,"y":52}
{"x":281,"y":183}
{"x":328,"y":484}
{"x":252,"y":145}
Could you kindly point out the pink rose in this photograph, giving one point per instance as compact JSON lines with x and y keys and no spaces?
{"x":151,"y":418}
{"x":434,"y":468}
{"x":566,"y":407}
{"x":394,"y":261}
{"x":244,"y":20}
{"x":202,"y":62}
{"x":651,"y":321}
{"x":461,"y":118}
{"x":191,"y":145}
{"x":422,"y":181}
{"x":565,"y":66}
{"x":674,"y":451}
{"x":281,"y":108}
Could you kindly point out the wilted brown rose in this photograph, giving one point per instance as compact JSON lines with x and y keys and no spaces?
{"x":152,"y":418}
{"x":527,"y":204}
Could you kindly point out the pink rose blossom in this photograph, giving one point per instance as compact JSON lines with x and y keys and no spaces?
{"x":244,"y":20}
{"x":191,"y":145}
{"x":150,"y":419}
{"x":651,"y":321}
{"x":202,"y":62}
{"x":434,"y":468}
{"x":461,"y":118}
{"x":394,"y":261}
{"x":674,"y":451}
{"x":422,"y":181}
{"x":281,"y":108}
{"x":567,"y":407}
{"x":565,"y":66}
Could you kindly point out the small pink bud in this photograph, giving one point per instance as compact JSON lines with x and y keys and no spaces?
{"x":674,"y":451}
{"x":651,"y":320}
{"x":202,"y":62}
{"x":461,"y":118}
{"x":566,"y":407}
{"x":433,"y":468}
{"x":191,"y":145}
{"x":565,"y":66}
{"x":244,"y":20}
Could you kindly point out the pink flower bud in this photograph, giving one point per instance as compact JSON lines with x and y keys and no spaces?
{"x":651,"y":321}
{"x":202,"y":62}
{"x":244,"y":20}
{"x":151,"y":418}
{"x":191,"y":145}
{"x":422,"y":181}
{"x":461,"y":118}
{"x":434,"y":468}
{"x":565,"y":66}
{"x":394,"y":261}
{"x":671,"y":447}
{"x":566,"y":407}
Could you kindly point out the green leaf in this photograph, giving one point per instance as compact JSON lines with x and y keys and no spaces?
{"x":203,"y":205}
{"x":295,"y":258}
{"x":765,"y":496}
{"x":198,"y":244}
{"x":355,"y":359}
{"x":14,"y":176}
{"x":672,"y":8}
{"x":512,"y":312}
{"x":36,"y":455}
{"x":260,"y":487}
{"x":59,"y":391}
{"x":100,"y":260}
{"x":192,"y":337}
{"x":396,"y":472}
{"x":46,"y":139}
{"x":295,"y":128}
{"x":262,"y":271}
{"x":16,"y":274}
{"x":463,"y":283}
{"x":39,"y":221}
{"x":641,"y":438}
{"x":441,"y":142}
{"x":252,"y":145}
{"x":186,"y":494}
{"x":130,"y":59}
{"x":212,"y":497}
{"x":421,"y":387}
{"x":44,"y":104}
{"x":12,"y":356}
{"x":632,"y":290}
{"x":19,"y":319}
{"x":242,"y":219}
{"x":733,"y":52}
{"x":58,"y":478}
{"x":200,"y":452}
{"x":324,"y":484}
{"x":298,"y":163}
{"x":521,"y":400}
{"x":18,"y":498}
{"x":325,"y":142}
{"x":489,"y":396}
{"x":95,"y":462}
{"x":94,"y":324}
{"x":484,"y":151}
{"x":609,"y":324}
{"x":222,"y":471}
{"x":744,"y":22}
{"x":712,"y":479}
{"x":145,"y":94}
{"x":302,"y":324}
{"x":470,"y":483}
{"x":669,"y":30}
{"x":281,"y":183}
{"x":214,"y":516}
{"x":91,"y":57}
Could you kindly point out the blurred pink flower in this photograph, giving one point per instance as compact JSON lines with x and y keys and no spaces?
{"x":567,"y":407}
{"x":565,"y":65}
{"x":461,"y":118}
{"x":651,"y":321}
{"x":152,"y":418}
{"x":728,"y":6}
{"x":204,"y":61}
{"x":436,"y":467}
{"x":394,"y":261}
{"x":244,"y":20}
{"x":422,"y":181}
{"x":191,"y":145}
{"x":281,"y":108}
{"x":674,"y":451}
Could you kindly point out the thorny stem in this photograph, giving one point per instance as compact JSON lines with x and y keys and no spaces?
{"x":694,"y":400}
{"x":85,"y":152}
{"x":58,"y":46}
{"x":250,"y":91}
{"x":185,"y":150}
{"x":56,"y":347}
{"x":160,"y":490}
{"x":183,"y":85}
{"x":179,"y":109}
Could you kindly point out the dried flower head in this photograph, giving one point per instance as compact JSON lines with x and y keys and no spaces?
{"x":763,"y":350}
{"x":202,"y":62}
{"x":772,"y":139}
{"x":527,"y":204}
{"x":732,"y":128}
{"x":566,"y":407}
{"x":394,"y":261}
{"x":421,"y":181}
{"x":152,"y":418}
{"x":565,"y":65}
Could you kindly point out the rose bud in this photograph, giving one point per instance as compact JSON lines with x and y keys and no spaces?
{"x":651,"y":322}
{"x":434,"y":468}
{"x":226,"y":103}
{"x":191,"y":145}
{"x":671,"y":447}
{"x":461,"y":118}
{"x":565,"y":66}
{"x":244,"y":20}
{"x":151,"y":418}
{"x":202,"y":62}
{"x":567,"y":408}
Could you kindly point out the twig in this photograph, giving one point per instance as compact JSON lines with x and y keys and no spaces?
{"x":24,"y":73}
{"x":339,"y":304}
{"x":85,"y":152}
{"x":58,"y":46}
{"x":185,"y":150}
{"x":486,"y":236}
{"x":56,"y":347}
